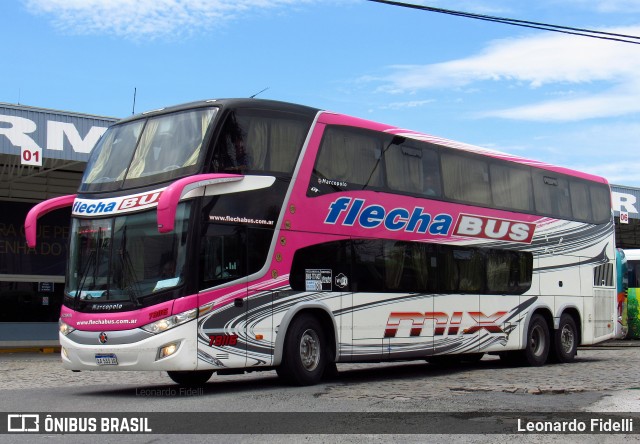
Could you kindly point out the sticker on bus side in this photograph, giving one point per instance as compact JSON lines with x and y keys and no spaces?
{"x":470,"y":225}
{"x":350,"y":212}
{"x":318,"y":280}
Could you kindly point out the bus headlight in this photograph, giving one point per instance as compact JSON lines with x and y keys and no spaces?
{"x":64,"y":328}
{"x":172,"y":321}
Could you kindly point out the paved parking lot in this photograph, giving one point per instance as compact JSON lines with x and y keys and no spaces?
{"x":599,"y":373}
{"x":603,"y":379}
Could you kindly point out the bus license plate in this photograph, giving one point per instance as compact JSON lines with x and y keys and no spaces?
{"x":108,"y":359}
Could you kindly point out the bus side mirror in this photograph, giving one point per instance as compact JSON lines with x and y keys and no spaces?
{"x":35,"y":213}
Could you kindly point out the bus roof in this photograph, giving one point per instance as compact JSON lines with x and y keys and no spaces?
{"x":341,"y":119}
{"x":230,"y":103}
{"x":329,"y":117}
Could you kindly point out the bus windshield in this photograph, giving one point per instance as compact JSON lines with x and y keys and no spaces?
{"x":125,"y":258}
{"x":148,"y":150}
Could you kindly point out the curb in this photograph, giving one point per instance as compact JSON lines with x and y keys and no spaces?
{"x":46,"y":350}
{"x":620,"y":343}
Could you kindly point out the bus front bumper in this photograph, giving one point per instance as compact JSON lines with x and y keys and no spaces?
{"x":174,"y":349}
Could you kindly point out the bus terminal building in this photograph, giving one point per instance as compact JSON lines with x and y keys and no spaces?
{"x":43,"y":154}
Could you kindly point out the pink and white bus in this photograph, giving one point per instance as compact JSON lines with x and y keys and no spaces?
{"x":242,"y":235}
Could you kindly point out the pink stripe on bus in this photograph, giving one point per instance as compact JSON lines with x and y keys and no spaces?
{"x":168,"y":202}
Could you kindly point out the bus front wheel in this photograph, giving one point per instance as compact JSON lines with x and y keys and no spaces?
{"x":304,"y":354}
{"x":538,"y":342}
{"x":190,"y":378}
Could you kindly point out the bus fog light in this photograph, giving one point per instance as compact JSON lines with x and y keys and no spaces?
{"x":64,"y":352}
{"x":167,"y":350}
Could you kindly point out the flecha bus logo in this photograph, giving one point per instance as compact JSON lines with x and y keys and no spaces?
{"x":88,"y":207}
{"x":469,"y":225}
{"x":139,"y":201}
{"x":355,"y":212}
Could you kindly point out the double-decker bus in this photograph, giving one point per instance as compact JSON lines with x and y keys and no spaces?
{"x":242,"y":234}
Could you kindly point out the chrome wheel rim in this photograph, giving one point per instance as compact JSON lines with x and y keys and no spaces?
{"x":567,"y":339}
{"x":310,"y":350}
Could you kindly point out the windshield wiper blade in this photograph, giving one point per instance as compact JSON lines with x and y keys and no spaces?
{"x":83,"y":278}
{"x":129,"y":283}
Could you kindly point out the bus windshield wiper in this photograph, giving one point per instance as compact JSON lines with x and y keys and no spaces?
{"x":83,"y":277}
{"x":129,"y":284}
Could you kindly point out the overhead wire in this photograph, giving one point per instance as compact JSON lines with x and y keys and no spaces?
{"x":625,"y":38}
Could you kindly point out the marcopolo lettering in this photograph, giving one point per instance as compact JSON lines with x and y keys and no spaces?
{"x":354,"y":211}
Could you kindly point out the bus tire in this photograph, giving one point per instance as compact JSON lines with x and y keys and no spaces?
{"x":538,"y":342}
{"x":190,"y":378}
{"x":304,"y":355}
{"x":565,"y":339}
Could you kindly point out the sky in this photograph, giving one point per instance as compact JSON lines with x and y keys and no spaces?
{"x":566,"y":100}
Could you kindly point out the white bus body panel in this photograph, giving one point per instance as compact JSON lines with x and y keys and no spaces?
{"x":141,"y":355}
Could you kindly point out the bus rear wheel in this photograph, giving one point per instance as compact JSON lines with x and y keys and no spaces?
{"x":304,"y":355}
{"x":538,"y":342}
{"x":190,"y":378}
{"x":565,"y":340}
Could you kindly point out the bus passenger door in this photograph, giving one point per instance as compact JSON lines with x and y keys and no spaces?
{"x":259,"y":331}
{"x":222,"y":334}
{"x":602,"y":307}
{"x":222,"y":328}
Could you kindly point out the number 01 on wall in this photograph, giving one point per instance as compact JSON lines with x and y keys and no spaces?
{"x":31,"y":156}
